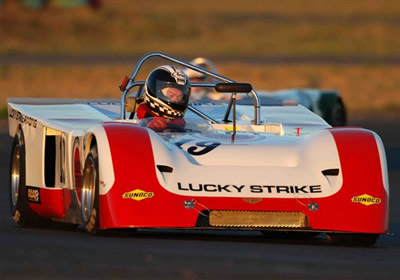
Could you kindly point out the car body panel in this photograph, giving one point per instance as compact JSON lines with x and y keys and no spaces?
{"x":291,"y":162}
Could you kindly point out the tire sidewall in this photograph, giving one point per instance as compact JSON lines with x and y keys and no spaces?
{"x":19,"y":211}
{"x":92,"y":223}
{"x":338,"y":115}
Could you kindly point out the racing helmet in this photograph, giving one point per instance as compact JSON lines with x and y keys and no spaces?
{"x":167,"y":91}
{"x":203,"y":63}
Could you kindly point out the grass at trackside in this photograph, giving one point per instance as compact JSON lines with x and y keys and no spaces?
{"x":3,"y":112}
{"x":363,"y":88}
{"x":252,"y":28}
{"x":249,"y":28}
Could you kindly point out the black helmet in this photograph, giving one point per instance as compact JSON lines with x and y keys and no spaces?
{"x":167,"y":91}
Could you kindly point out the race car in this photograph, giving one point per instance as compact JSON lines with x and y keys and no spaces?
{"x":232,"y":167}
{"x":328,"y":104}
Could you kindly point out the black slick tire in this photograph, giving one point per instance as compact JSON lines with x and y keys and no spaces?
{"x":352,"y":239}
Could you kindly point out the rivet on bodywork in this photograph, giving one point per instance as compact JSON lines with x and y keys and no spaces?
{"x":312,"y":206}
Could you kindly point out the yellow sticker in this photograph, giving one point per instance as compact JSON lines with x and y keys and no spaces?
{"x":137,"y":195}
{"x":33,"y":194}
{"x":366,"y":199}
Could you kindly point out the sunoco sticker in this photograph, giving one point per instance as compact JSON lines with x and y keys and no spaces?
{"x":137,"y":195}
{"x":366,"y":199}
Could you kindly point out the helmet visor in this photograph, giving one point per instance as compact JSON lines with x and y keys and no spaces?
{"x":172,"y":92}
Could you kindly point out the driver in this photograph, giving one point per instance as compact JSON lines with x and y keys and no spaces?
{"x":198,"y":77}
{"x":166,"y":98}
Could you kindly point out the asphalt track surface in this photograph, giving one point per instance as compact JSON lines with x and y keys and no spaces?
{"x":45,"y":253}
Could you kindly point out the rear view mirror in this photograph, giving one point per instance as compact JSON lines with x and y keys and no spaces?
{"x":233,"y":87}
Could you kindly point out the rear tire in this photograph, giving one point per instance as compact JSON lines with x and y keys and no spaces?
{"x":338,"y":115}
{"x":352,"y":239}
{"x":90,"y":192}
{"x":21,"y":213}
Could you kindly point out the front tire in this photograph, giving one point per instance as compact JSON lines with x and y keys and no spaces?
{"x":90,"y":192}
{"x":352,"y":239}
{"x":21,"y":213}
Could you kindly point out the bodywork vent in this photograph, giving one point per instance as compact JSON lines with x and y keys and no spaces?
{"x":258,"y":219}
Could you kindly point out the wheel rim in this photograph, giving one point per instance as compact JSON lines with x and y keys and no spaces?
{"x":88,"y":189}
{"x":15,"y":176}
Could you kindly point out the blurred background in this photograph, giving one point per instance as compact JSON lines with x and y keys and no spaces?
{"x":83,"y":48}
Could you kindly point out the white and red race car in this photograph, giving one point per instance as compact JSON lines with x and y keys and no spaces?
{"x":240,"y":167}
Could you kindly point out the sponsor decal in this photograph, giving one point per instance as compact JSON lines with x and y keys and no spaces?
{"x":22,"y":118}
{"x":137,"y":195}
{"x":33,"y":194}
{"x":250,"y":188}
{"x":366,"y":199}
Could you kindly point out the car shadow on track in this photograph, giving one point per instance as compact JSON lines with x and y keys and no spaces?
{"x":229,"y":236}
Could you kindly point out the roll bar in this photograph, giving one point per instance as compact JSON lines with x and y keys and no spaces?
{"x":132,"y":83}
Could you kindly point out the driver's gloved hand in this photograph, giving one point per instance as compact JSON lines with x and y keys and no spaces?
{"x":157,"y":124}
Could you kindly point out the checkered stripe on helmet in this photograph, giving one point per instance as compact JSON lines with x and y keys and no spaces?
{"x":161,"y":107}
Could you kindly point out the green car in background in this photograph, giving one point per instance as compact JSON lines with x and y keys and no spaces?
{"x":326,"y":103}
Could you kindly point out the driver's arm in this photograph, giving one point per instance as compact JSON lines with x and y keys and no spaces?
{"x":157,"y":124}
